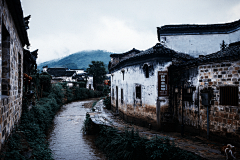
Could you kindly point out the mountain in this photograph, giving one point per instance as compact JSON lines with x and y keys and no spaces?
{"x":79,"y":60}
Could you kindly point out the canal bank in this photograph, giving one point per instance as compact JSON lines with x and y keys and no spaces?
{"x":205,"y":148}
{"x":66,"y":140}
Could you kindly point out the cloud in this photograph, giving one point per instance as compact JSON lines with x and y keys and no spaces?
{"x":234,"y":13}
{"x":110,"y":34}
{"x":60,"y":27}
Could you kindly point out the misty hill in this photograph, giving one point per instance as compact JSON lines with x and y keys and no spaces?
{"x":79,"y":60}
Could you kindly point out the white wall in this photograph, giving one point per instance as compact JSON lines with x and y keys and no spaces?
{"x":196,"y":45}
{"x":135,"y":75}
{"x":90,"y":81}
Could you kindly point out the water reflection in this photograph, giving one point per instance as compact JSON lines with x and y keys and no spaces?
{"x":66,"y":139}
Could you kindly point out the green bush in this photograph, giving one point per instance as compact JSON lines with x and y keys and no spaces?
{"x":107,"y":102}
{"x":29,"y":139}
{"x":129,"y":145}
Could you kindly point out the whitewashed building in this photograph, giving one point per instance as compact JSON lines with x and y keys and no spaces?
{"x":139,"y":84}
{"x":89,"y":84}
{"x":198,"y":40}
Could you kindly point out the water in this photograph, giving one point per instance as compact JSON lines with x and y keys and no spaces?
{"x":66,"y":139}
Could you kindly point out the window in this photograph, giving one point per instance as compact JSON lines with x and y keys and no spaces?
{"x":138,"y":91}
{"x":146,"y":70}
{"x":112,"y":93}
{"x":121,"y":95}
{"x":19,"y":73}
{"x":229,"y":95}
{"x":5,"y":61}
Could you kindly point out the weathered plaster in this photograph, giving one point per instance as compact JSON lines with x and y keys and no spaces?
{"x":199,"y":44}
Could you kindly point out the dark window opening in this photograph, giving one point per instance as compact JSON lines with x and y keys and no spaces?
{"x":229,"y":95}
{"x":146,"y":70}
{"x":19,"y":73}
{"x":89,"y":87}
{"x":121,"y":95}
{"x":5,"y":61}
{"x":138,"y":91}
{"x":112,"y":93}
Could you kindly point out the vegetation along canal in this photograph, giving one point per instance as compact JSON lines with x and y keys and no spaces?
{"x":66,"y":139}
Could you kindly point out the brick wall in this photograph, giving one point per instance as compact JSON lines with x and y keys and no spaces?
{"x":11,"y":64}
{"x":223,"y":118}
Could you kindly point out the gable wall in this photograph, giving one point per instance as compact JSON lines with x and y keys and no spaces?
{"x":199,"y":44}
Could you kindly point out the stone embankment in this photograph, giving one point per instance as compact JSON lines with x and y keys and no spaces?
{"x":198,"y":145}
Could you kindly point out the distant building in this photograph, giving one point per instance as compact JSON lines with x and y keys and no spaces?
{"x":90,"y":83}
{"x":61,"y":74}
{"x":197,"y":39}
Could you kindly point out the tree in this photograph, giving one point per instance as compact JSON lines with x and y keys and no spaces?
{"x":223,"y":45}
{"x":98,"y":71}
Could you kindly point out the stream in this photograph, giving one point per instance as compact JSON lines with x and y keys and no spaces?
{"x":66,"y":139}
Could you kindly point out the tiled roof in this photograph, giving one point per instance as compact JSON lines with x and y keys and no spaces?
{"x":157,"y":50}
{"x":16,"y":11}
{"x":60,"y":72}
{"x":198,"y":29}
{"x":126,"y":53}
{"x":229,"y":53}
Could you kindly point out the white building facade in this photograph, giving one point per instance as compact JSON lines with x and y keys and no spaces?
{"x":139,"y":85}
{"x":198,"y":39}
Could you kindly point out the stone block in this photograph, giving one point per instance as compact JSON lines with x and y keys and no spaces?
{"x":211,"y":118}
{"x":229,"y":121}
{"x":234,"y":72}
{"x":234,"y":79}
{"x":224,"y":120}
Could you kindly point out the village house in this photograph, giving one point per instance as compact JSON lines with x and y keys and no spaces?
{"x":60,"y":74}
{"x":13,"y":39}
{"x":197,"y":92}
{"x":195,"y":39}
{"x":69,"y":75}
{"x":139,"y":84}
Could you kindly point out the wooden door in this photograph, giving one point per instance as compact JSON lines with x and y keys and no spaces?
{"x":116,"y":98}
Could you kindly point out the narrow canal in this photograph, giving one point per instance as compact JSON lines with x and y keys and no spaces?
{"x":66,"y":139}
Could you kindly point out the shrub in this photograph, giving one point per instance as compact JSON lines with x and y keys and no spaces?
{"x":129,"y":145}
{"x":107,"y":102}
{"x":29,"y":139}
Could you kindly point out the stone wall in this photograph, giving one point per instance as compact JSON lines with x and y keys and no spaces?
{"x":224,"y":119}
{"x":11,"y":60}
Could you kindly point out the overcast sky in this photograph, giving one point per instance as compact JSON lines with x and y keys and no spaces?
{"x":62,"y":27}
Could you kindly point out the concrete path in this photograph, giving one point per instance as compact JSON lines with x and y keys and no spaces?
{"x":198,"y":145}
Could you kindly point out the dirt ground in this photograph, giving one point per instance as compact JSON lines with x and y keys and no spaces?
{"x":89,"y":104}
